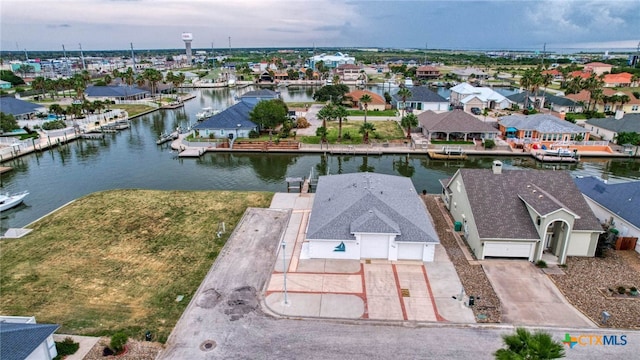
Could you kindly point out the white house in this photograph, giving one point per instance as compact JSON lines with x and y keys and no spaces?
{"x":521,"y":213}
{"x":614,"y":204}
{"x":331,"y":61}
{"x":421,"y":99}
{"x":369,"y":216}
{"x":468,"y":96}
{"x":22,"y":338}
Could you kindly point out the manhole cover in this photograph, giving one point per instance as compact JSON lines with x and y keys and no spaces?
{"x":405,"y":292}
{"x":208,"y":345}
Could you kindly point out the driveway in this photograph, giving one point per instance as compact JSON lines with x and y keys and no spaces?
{"x":529,"y":297}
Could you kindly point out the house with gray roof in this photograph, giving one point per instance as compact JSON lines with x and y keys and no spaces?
{"x":521,"y":213}
{"x":20,"y":109}
{"x":540,"y":128}
{"x":20,"y":339}
{"x":543,"y":99}
{"x":256,"y":96}
{"x":233,"y":123}
{"x":421,"y":99}
{"x":369,"y":216}
{"x":115,"y":92}
{"x":455,"y":125}
{"x":615,"y":205}
{"x":467,"y":96}
{"x":608,"y":128}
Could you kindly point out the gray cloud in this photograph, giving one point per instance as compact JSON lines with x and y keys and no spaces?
{"x":53,"y":26}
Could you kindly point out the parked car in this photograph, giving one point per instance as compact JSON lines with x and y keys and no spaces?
{"x":476,"y":111}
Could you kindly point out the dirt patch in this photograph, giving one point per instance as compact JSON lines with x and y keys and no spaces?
{"x":241,"y":301}
{"x":135,"y":350}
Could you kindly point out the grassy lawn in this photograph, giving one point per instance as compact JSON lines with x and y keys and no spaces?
{"x":301,"y":104}
{"x":133,"y":109}
{"x":452,"y":142}
{"x":385,"y":130}
{"x":373,"y":113}
{"x":117,"y":260}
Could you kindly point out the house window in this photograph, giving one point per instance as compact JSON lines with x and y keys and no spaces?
{"x":607,"y":108}
{"x":528,"y":133}
{"x":634,"y":108}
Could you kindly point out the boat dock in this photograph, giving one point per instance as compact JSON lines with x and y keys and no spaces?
{"x":541,"y":156}
{"x":191,"y":152}
{"x":439,"y":156}
{"x":4,"y":169}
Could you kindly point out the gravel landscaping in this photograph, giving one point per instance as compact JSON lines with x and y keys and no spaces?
{"x":475,"y":281}
{"x":138,"y":350}
{"x":586,"y":278}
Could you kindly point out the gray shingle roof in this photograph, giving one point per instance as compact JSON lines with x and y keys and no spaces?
{"x":113,"y":91}
{"x":421,"y":94}
{"x":15,"y":107}
{"x":628,"y":123}
{"x":549,"y":98}
{"x":498,"y":201}
{"x":18,"y":340}
{"x":543,"y":123}
{"x":621,"y":199}
{"x":369,"y":202}
{"x":453,"y":121}
{"x":230,"y":118}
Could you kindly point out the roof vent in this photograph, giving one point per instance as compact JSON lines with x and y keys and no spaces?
{"x":535,"y":191}
{"x":540,"y":196}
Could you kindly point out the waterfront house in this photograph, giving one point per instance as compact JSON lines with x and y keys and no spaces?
{"x":543,"y":129}
{"x":421,"y":99}
{"x":377,"y":102}
{"x":615,"y":205}
{"x":426,"y":72}
{"x":232,"y":123}
{"x":555,"y":103}
{"x":20,"y":109}
{"x":470,"y":73}
{"x":114,"y":92}
{"x":624,"y":79}
{"x":608,"y":128}
{"x":521,"y":213}
{"x":610,"y":102}
{"x":256,"y":96}
{"x":330,"y":61}
{"x":349,"y":72}
{"x":467,"y":96}
{"x":22,"y":338}
{"x":455,"y":125}
{"x":598,"y":68}
{"x":369,"y":216}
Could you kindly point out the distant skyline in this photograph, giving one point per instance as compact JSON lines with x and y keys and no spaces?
{"x":464,"y":25}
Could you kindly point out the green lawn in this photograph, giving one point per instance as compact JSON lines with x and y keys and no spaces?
{"x":117,"y":260}
{"x":385,"y":130}
{"x":133,"y":109}
{"x":389,"y":113}
{"x":452,"y":142}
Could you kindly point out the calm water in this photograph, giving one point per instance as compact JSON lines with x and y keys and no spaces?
{"x":131,"y":159}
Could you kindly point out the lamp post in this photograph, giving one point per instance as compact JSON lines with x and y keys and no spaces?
{"x":284,"y":272}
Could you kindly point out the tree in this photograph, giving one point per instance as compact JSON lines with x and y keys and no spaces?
{"x":574,"y":85}
{"x":404,"y":93}
{"x":365,"y":100}
{"x":56,"y":109}
{"x":38,"y":84}
{"x":107,"y":79}
{"x":129,"y":76}
{"x":365,"y":129}
{"x":623,"y":99}
{"x":9,"y":76}
{"x":525,"y":345}
{"x":309,"y":73}
{"x":268,"y":114}
{"x":8,"y":122}
{"x":333,"y":93}
{"x":341,"y":114}
{"x":409,"y":121}
{"x":632,"y":138}
{"x":322,"y":133}
{"x":327,"y":113}
{"x":24,"y":69}
{"x":154,"y":77}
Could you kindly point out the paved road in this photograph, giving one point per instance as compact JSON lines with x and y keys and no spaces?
{"x":225,"y":321}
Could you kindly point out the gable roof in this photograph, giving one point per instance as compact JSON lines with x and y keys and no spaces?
{"x":357,"y":94}
{"x":482,"y":93}
{"x":427,"y":68}
{"x":498,"y":201}
{"x":113,"y":91}
{"x":453,"y":121}
{"x":262,"y":93}
{"x":15,"y":107}
{"x":621,"y":78}
{"x":628,"y":123}
{"x":549,"y":98}
{"x":230,"y":118}
{"x":369,"y":202}
{"x":421,"y":94}
{"x":542,"y":123}
{"x":620,"y":199}
{"x":19,"y":340}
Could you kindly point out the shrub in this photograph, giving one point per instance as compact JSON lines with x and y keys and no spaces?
{"x":621,"y":290}
{"x":489,"y":144}
{"x":53,"y":125}
{"x":302,"y":123}
{"x":254,"y":134}
{"x":633,"y":289}
{"x":541,"y":264}
{"x":118,"y":341}
{"x":346,"y":136}
{"x":66,"y":347}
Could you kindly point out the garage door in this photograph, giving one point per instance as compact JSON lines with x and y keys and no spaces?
{"x":374,"y":247}
{"x":410,"y":251}
{"x":508,"y":250}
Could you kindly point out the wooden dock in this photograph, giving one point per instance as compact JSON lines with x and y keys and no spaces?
{"x":4,"y":169}
{"x":555,"y":159}
{"x":439,"y":156}
{"x":192,"y":152}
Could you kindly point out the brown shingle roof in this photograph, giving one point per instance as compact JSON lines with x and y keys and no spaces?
{"x":498,"y":201}
{"x":453,"y":121}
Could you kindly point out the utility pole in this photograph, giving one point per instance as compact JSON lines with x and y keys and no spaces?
{"x":133,"y":59}
{"x":426,"y":45}
{"x":544,"y":49}
{"x":84,"y":65}
{"x":229,"y":43}
{"x":66,"y":62}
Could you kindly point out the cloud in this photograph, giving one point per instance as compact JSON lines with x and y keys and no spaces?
{"x":53,"y":26}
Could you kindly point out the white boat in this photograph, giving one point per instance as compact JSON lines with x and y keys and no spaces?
{"x":559,"y":153}
{"x":206,"y":112}
{"x":408,"y":82}
{"x":8,"y":201}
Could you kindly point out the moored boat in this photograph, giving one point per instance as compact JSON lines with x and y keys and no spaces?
{"x":8,"y":201}
{"x":206,"y":112}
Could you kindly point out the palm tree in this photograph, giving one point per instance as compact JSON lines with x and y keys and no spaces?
{"x":169,"y":77}
{"x":365,"y":129}
{"x":404,"y":93}
{"x":154,"y":77}
{"x":409,"y":121}
{"x":623,"y":100}
{"x":341,"y":114}
{"x":56,"y":109}
{"x":129,"y":76}
{"x":327,"y":113}
{"x":86,"y":76}
{"x":24,"y":69}
{"x":117,"y":74}
{"x":107,"y":79}
{"x":365,"y":99}
{"x":322,"y":133}
{"x":38,"y":84}
{"x":525,"y":345}
{"x":594,"y":86}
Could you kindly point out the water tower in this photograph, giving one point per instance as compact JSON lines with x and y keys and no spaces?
{"x":187,"y":38}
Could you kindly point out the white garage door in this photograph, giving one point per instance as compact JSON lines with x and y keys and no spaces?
{"x":511,"y":250}
{"x":408,"y":251}
{"x":374,"y":247}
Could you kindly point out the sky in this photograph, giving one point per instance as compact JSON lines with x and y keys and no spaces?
{"x":461,"y":25}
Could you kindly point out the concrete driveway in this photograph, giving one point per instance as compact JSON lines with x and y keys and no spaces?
{"x":529,"y":297}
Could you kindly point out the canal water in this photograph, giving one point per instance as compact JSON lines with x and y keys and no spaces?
{"x":131,"y":159}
